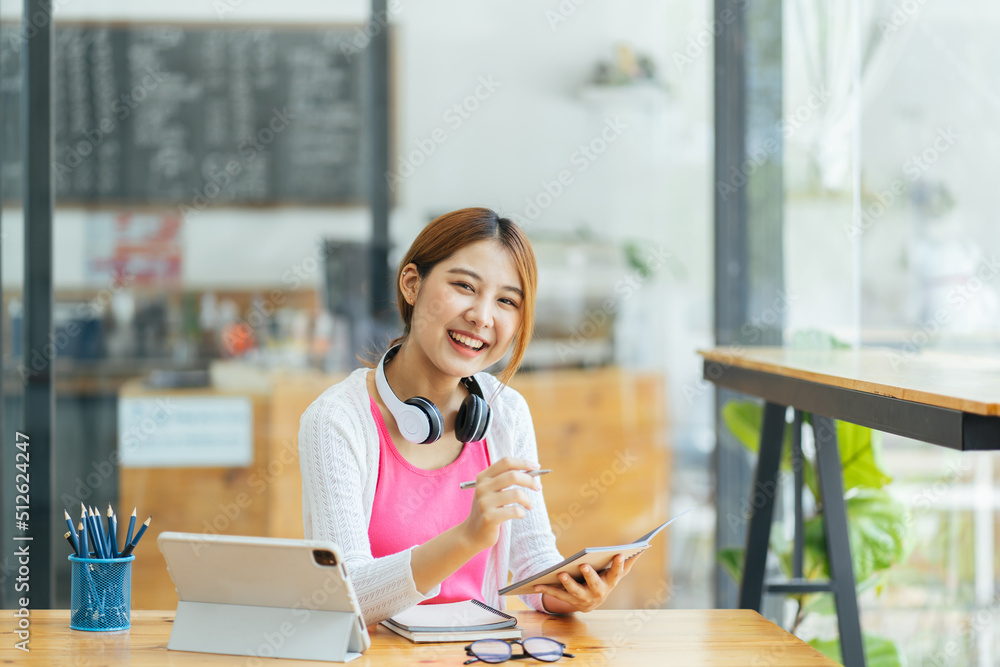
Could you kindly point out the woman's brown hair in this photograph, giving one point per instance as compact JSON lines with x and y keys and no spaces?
{"x":451,"y":232}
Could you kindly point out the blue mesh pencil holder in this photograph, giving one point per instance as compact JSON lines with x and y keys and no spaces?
{"x":101,"y":593}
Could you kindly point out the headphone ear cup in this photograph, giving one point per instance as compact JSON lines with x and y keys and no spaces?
{"x":472,"y":419}
{"x":434,"y":419}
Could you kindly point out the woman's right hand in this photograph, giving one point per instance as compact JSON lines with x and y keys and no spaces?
{"x":499,"y":496}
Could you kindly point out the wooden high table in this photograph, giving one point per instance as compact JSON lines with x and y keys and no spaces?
{"x":707,"y":638}
{"x":942,"y":399}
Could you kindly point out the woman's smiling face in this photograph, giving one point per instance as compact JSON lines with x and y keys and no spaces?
{"x":467,"y":310}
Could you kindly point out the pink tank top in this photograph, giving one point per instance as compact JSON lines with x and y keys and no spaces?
{"x":412,"y":505}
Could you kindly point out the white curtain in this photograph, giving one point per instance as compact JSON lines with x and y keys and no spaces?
{"x":829,"y":33}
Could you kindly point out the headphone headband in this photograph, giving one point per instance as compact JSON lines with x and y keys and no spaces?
{"x":420,"y":421}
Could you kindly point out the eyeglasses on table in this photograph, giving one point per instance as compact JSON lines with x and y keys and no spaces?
{"x":497,"y":650}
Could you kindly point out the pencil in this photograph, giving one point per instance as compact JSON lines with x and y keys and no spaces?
{"x":127,"y":551}
{"x":104,"y":533}
{"x":72,"y":543}
{"x":86,"y":528}
{"x":96,"y":533}
{"x":100,"y":529}
{"x":84,"y":547}
{"x":75,"y":541}
{"x":88,"y":525}
{"x":112,"y":532}
{"x":532,"y":473}
{"x":131,"y":527}
{"x":94,"y":538}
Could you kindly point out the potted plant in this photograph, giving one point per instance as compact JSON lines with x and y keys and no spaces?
{"x":877,"y":524}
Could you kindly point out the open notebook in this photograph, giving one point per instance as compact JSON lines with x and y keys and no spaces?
{"x":453,"y":622}
{"x":598,"y":558}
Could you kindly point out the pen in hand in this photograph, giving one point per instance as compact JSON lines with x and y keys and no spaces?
{"x":532,"y":473}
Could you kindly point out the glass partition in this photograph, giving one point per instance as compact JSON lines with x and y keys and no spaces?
{"x":12,"y":286}
{"x":213,"y":249}
{"x":891,"y":241}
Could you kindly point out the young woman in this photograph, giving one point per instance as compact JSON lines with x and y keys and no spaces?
{"x":382,"y":468}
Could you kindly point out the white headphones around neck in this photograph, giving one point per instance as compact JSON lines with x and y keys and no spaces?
{"x":419,"y":420}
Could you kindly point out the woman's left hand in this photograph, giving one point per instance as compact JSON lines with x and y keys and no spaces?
{"x":586,"y":596}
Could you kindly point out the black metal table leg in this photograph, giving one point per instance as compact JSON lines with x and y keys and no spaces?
{"x":798,"y":546}
{"x":762,"y":495}
{"x":838,"y":546}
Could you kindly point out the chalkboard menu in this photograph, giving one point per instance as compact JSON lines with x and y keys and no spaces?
{"x":197,"y":116}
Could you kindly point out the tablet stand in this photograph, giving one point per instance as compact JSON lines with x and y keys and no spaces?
{"x":264,"y":632}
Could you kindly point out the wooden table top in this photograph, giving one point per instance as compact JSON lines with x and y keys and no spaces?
{"x":957,"y":382}
{"x":716,"y":637}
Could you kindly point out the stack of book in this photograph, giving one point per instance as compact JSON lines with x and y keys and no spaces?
{"x":453,"y":622}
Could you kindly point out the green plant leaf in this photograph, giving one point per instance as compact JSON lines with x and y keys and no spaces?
{"x":816,"y":339}
{"x":876,"y":524}
{"x":860,"y":451}
{"x":876,"y":528}
{"x":744,"y":419}
{"x":879,"y":651}
{"x":731,"y":560}
{"x":860,"y":447}
{"x":823,"y":603}
{"x":819,"y":603}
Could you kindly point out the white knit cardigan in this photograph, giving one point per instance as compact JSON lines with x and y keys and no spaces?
{"x":339,"y":454}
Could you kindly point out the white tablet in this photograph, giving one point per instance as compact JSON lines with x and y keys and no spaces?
{"x":262,"y":597}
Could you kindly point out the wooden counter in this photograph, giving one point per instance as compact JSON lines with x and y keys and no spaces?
{"x":953,"y":381}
